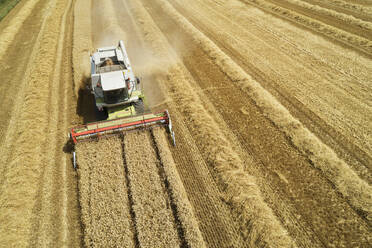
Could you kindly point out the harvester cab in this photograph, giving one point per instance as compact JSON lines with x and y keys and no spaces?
{"x":119,"y":98}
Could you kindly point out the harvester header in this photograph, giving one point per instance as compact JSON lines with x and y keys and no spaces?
{"x":100,"y":128}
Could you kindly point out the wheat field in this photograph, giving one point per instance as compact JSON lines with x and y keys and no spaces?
{"x":271,"y":104}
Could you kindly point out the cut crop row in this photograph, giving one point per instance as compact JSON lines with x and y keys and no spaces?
{"x":357,"y":42}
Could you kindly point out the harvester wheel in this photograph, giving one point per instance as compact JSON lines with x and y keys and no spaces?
{"x":139,"y":107}
{"x":101,"y":115}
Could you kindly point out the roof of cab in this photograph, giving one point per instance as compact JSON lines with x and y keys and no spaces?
{"x":113,"y":80}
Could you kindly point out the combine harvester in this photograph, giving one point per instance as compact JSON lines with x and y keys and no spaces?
{"x":120,"y":102}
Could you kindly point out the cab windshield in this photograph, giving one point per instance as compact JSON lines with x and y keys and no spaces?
{"x":115,"y":96}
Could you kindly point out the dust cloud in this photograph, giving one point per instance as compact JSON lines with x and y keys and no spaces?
{"x":149,"y":68}
{"x":111,"y":23}
{"x":105,"y":25}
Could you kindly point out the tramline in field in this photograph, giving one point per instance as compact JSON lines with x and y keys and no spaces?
{"x":119,"y":99}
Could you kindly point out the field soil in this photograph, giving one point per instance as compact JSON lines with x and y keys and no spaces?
{"x":271,"y":104}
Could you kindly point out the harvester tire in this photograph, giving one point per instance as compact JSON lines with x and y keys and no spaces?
{"x":101,"y":115}
{"x":139,"y":107}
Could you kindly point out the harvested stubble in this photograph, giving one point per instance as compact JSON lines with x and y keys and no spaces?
{"x":332,"y":13}
{"x":154,"y":221}
{"x":258,"y":225}
{"x":337,"y":171}
{"x":350,"y":6}
{"x":185,"y":213}
{"x":357,"y":42}
{"x":22,"y":157}
{"x":104,"y":195}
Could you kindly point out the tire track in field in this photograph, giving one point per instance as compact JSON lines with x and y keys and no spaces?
{"x":69,"y":214}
